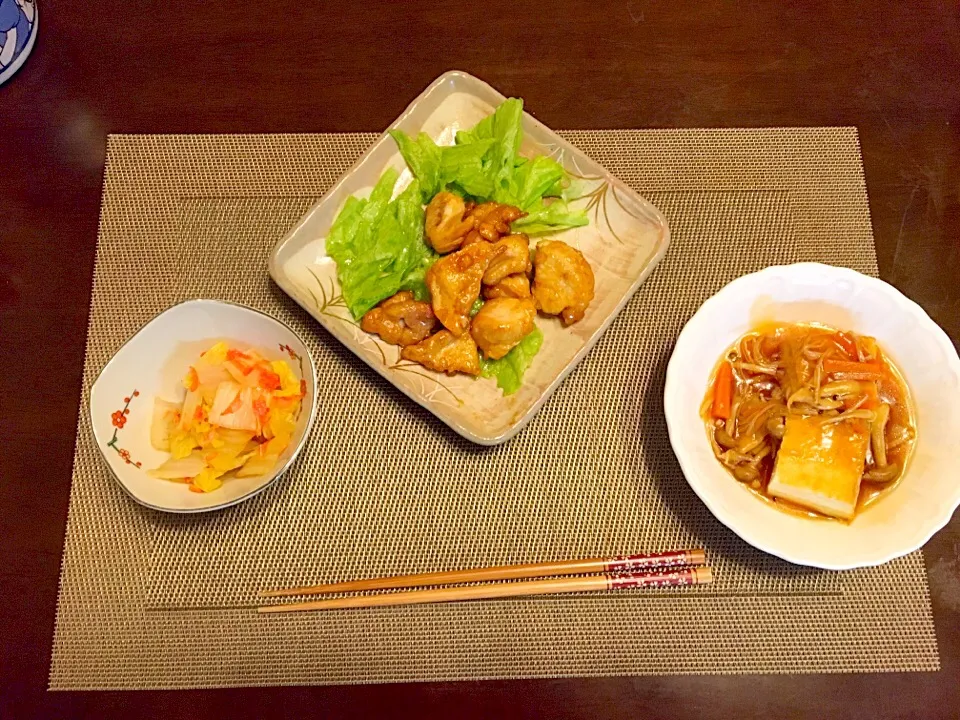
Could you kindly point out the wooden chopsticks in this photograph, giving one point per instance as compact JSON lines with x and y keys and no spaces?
{"x":666,"y":569}
{"x":618,"y":564}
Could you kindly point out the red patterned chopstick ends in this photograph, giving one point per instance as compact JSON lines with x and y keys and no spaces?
{"x":675,"y":578}
{"x":649,"y":561}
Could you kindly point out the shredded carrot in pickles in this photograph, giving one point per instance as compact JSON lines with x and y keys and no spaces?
{"x":238,"y":417}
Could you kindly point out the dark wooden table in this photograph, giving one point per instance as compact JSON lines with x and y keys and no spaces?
{"x":891,"y":68}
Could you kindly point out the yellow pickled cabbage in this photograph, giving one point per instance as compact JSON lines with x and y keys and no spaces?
{"x":237,"y":418}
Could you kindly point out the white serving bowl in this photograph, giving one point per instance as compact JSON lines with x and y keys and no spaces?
{"x":152,"y":363}
{"x":929,"y":492}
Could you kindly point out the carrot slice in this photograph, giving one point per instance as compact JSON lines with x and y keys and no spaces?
{"x":853,"y":370}
{"x":846,"y":343}
{"x":269,"y":380}
{"x":234,"y":406}
{"x":242,"y":360}
{"x":261,"y":408}
{"x":191,"y":380}
{"x":723,"y":391}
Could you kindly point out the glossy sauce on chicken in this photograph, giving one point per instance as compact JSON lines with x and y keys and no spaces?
{"x":485,"y":292}
{"x":400,"y":319}
{"x":563,"y":282}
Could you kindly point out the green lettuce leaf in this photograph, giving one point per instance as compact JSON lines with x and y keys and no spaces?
{"x":410,"y":217}
{"x":344,"y":229}
{"x":507,"y":134}
{"x":378,"y":245}
{"x":509,"y":369}
{"x":380,"y":196}
{"x":500,"y":134}
{"x":462,"y":168}
{"x":423,"y":156}
{"x":416,"y":279}
{"x":483,"y":130}
{"x":531,"y":181}
{"x":485,"y":164}
{"x":550,"y":217}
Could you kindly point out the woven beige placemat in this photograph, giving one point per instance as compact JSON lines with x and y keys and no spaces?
{"x":155,"y":601}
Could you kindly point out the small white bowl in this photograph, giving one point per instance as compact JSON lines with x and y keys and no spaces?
{"x":152,"y":363}
{"x":929,"y":492}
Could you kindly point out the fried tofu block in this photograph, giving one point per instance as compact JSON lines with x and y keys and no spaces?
{"x":819,"y":465}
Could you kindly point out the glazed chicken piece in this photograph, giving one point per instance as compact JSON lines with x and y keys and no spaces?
{"x":512,"y":286}
{"x":472,"y":237}
{"x":400,"y":320}
{"x":512,"y":255}
{"x":492,"y":220}
{"x":454,"y":283}
{"x":501,"y":323}
{"x":445,"y":224}
{"x":562,"y":281}
{"x":445,"y":352}
{"x":451,"y":223}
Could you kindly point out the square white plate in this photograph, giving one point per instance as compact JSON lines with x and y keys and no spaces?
{"x":624,"y":241}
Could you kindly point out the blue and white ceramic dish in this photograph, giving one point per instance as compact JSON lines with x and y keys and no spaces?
{"x":18,"y":31}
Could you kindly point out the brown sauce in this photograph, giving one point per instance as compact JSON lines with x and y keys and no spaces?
{"x":782,"y":369}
